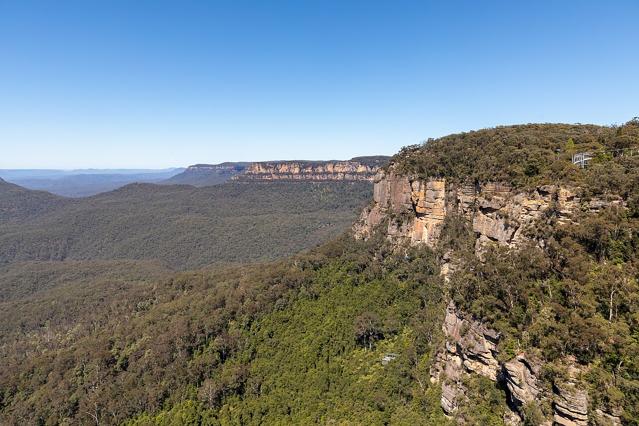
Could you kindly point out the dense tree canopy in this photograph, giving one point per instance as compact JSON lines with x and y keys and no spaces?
{"x":528,"y":155}
{"x":262,"y":344}
{"x":183,"y":226}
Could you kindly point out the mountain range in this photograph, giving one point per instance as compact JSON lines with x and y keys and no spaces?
{"x":481,"y":278}
{"x":83,"y":183}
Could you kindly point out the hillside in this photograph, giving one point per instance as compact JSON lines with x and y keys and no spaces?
{"x":525,"y":155}
{"x":494,"y":288}
{"x":540,"y":262}
{"x":183,"y":226}
{"x":18,"y":203}
{"x":207,"y":174}
{"x":229,"y":344}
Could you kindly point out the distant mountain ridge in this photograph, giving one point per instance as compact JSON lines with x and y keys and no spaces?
{"x":83,"y":182}
{"x":355,"y":169}
{"x":88,"y":182}
{"x":207,"y":174}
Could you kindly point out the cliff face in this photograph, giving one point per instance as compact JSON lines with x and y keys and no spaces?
{"x":416,"y":209}
{"x":471,"y":348}
{"x":352,"y":170}
{"x":412,"y":211}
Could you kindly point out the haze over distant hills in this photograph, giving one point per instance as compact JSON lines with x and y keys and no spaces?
{"x":9,"y":174}
{"x":87,"y":182}
{"x":83,"y":182}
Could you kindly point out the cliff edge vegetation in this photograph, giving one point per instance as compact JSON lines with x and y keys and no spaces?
{"x":529,"y":155}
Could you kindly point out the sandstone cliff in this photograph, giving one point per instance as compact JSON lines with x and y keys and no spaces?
{"x":412,"y":211}
{"x":416,"y":209}
{"x":222,"y":166}
{"x":471,"y":348}
{"x":357,"y":169}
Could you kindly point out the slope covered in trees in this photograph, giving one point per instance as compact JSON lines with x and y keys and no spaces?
{"x":571,"y":304}
{"x":183,"y":226}
{"x":300,"y":341}
{"x":17,"y":203}
{"x":207,"y":174}
{"x":565,"y":297}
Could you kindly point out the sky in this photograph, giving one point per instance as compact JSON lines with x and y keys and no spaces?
{"x":154,"y":84}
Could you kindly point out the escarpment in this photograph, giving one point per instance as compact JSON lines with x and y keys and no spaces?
{"x":362,"y":169}
{"x":415,"y":209}
{"x":412,"y":211}
{"x":355,"y":169}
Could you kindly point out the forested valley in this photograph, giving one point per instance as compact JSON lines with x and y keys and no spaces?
{"x":347,"y":332}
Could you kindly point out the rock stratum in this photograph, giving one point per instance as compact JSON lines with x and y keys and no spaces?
{"x":355,"y":169}
{"x":412,"y":211}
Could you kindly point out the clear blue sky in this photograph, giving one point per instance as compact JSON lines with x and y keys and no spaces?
{"x":156,"y":84}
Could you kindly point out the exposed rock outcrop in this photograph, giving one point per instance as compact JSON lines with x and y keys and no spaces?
{"x":474,"y":344}
{"x":570,"y":399}
{"x":520,"y":378}
{"x":216,"y":167}
{"x":571,"y":407}
{"x":470,"y":348}
{"x":416,"y":209}
{"x":412,"y":211}
{"x":360,"y":169}
{"x":608,"y":419}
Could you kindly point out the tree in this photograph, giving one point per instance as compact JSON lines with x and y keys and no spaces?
{"x":368,"y":329}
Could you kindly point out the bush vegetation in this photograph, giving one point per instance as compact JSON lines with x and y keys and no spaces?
{"x":527,"y":155}
{"x":183,"y":226}
{"x":271,"y":343}
{"x":577,"y":296}
{"x":572,"y":291}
